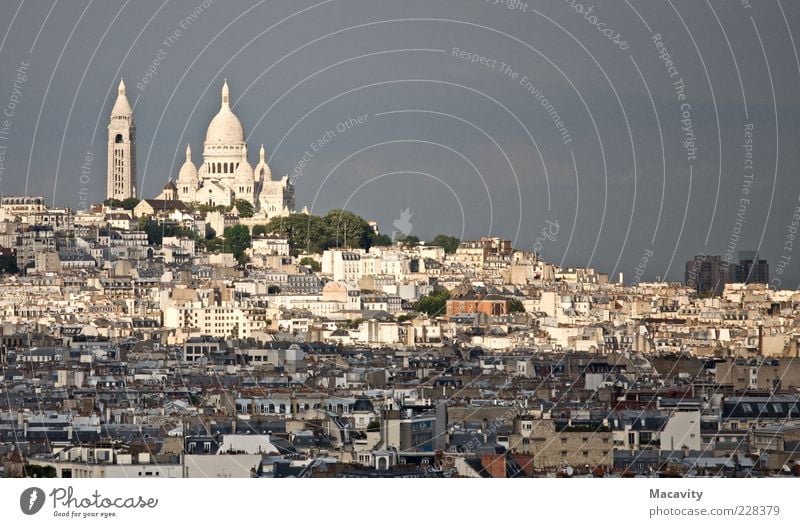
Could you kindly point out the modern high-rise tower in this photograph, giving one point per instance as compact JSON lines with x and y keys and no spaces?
{"x":121,"y":182}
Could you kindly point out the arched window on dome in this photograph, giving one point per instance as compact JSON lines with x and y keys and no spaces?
{"x":118,"y":138}
{"x":219,"y":168}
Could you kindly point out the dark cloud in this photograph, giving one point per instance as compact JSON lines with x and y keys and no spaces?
{"x":454,"y":128}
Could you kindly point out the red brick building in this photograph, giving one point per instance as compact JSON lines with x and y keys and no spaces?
{"x":466,"y":300}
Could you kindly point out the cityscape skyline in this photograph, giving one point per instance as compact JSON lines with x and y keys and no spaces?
{"x":363,"y":239}
{"x":174,"y":73}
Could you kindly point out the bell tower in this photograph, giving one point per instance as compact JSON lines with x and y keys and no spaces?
{"x":121,"y":177}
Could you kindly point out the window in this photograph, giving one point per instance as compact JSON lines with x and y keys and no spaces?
{"x":207,"y":447}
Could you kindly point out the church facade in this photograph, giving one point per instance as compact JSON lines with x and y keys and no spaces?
{"x":225,"y":173}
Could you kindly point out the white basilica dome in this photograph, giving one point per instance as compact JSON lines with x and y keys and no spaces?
{"x":188,"y":171}
{"x":225,"y":127}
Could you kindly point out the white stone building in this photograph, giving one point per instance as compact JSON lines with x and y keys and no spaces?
{"x":121,"y":171}
{"x":225,"y":174}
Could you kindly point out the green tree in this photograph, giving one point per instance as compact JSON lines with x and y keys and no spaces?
{"x":245,"y":208}
{"x":205,"y":207}
{"x":153,"y":229}
{"x":8,"y":264}
{"x":515,"y":306}
{"x":304,"y":232}
{"x":36,"y":471}
{"x":448,"y":243}
{"x":312,"y":263}
{"x":380,"y":240}
{"x":259,"y":230}
{"x":111,"y":202}
{"x":433,"y":304}
{"x":156,"y":232}
{"x":129,"y":203}
{"x":409,"y":241}
{"x":348,"y":230}
{"x":314,"y":234}
{"x":237,"y":239}
{"x":213,"y":245}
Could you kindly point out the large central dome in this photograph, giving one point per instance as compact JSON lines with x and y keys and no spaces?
{"x":225,"y":127}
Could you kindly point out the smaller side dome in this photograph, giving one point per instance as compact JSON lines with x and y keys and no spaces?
{"x":188,"y":171}
{"x":244,"y":172}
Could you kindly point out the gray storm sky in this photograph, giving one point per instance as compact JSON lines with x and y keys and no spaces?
{"x":652,"y":164}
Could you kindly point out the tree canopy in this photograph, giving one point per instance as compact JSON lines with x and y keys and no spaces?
{"x":314,"y":234}
{"x":313,"y":264}
{"x":433,"y":304}
{"x":127,"y":203}
{"x":205,"y":207}
{"x":156,"y":232}
{"x":381,"y":240}
{"x":409,"y":241}
{"x":237,"y":239}
{"x":245,"y":208}
{"x":515,"y":306}
{"x":8,"y":264}
{"x":130,"y":203}
{"x":448,"y":243}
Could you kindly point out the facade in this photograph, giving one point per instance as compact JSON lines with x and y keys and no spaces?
{"x":225,"y":174}
{"x":752,"y":269}
{"x":707,"y":274}
{"x":121,"y":172}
